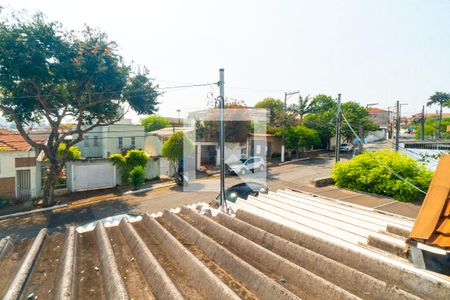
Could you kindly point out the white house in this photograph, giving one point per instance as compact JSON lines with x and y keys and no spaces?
{"x":103,"y":141}
{"x":20,"y":178}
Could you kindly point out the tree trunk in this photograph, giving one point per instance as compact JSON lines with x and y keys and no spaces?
{"x":49,"y":188}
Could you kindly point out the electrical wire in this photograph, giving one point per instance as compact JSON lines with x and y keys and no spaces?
{"x":380,"y":162}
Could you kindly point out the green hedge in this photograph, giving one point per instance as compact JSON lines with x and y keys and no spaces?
{"x":369,"y":172}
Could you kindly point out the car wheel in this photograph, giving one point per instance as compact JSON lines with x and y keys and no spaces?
{"x":243,"y":172}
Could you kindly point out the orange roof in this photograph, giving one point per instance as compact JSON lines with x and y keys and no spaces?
{"x":11,"y":141}
{"x":375,"y":110}
{"x":432,"y":115}
{"x":432,"y":225}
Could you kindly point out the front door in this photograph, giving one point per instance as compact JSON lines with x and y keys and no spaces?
{"x":23,"y":185}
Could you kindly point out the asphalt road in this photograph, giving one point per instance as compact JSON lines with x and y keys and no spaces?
{"x":287,"y":176}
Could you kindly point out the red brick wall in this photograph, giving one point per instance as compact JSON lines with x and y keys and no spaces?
{"x":7,"y":188}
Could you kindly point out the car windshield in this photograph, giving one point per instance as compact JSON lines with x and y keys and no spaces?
{"x":243,"y":160}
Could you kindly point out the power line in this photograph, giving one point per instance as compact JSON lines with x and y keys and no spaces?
{"x":382,"y":163}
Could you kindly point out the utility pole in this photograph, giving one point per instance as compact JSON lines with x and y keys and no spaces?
{"x":222,"y":140}
{"x":286,"y":94}
{"x":361,"y":130}
{"x":422,"y":124}
{"x":389,"y":126}
{"x":437,"y":126}
{"x":338,"y":130}
{"x":397,"y":127}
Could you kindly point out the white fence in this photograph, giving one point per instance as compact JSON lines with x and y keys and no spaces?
{"x":84,"y":175}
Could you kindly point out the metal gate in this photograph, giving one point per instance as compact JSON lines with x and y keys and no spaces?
{"x":92,"y":175}
{"x":23,"y":185}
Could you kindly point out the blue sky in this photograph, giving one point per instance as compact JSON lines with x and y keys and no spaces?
{"x":370,"y":51}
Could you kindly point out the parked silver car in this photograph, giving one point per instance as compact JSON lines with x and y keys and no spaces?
{"x":247,"y":165}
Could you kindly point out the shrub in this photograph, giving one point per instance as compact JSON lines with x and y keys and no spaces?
{"x":129,"y":162}
{"x":137,"y":177}
{"x":369,"y":172}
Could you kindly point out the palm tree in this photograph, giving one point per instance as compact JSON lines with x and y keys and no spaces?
{"x":303,"y":107}
{"x":443,"y":100}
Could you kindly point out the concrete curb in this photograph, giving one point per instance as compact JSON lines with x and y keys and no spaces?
{"x":149,"y":189}
{"x":212,"y":287}
{"x":28,"y":212}
{"x":293,"y":161}
{"x":393,"y":272}
{"x":6,"y":244}
{"x":113,"y":283}
{"x":261,"y":284}
{"x":158,"y":280}
{"x":18,"y":283}
{"x":307,"y":284}
{"x":354,"y":281}
{"x":67,"y":277}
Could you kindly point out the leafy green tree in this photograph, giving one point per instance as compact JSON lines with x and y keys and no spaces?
{"x":152,"y":123}
{"x":275,"y":108}
{"x":177,"y":146}
{"x":372,"y":172}
{"x":431,"y":129}
{"x":322,"y":103}
{"x":358,"y":117}
{"x":325,"y":125}
{"x":48,"y":74}
{"x":443,"y":100}
{"x":301,"y":137}
{"x":134,"y":158}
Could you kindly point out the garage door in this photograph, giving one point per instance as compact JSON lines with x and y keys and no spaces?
{"x":93,"y":176}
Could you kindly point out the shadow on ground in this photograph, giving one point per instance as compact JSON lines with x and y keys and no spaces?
{"x":28,"y":227}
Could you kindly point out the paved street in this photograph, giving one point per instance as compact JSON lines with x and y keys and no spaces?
{"x":287,"y":176}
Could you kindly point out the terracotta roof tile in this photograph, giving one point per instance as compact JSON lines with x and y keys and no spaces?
{"x":375,"y":110}
{"x":433,"y":222}
{"x":11,"y":141}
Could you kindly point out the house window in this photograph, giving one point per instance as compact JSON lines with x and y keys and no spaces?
{"x":133,"y":142}
{"x":120,"y":142}
{"x":86,"y":141}
{"x":95,"y":141}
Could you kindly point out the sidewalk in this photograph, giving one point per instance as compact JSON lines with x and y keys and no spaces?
{"x":379,"y":203}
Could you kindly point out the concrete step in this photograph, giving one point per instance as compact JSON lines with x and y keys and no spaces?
{"x":388,"y":269}
{"x":363,"y":211}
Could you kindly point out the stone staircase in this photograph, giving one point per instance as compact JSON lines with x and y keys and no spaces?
{"x":274,"y":247}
